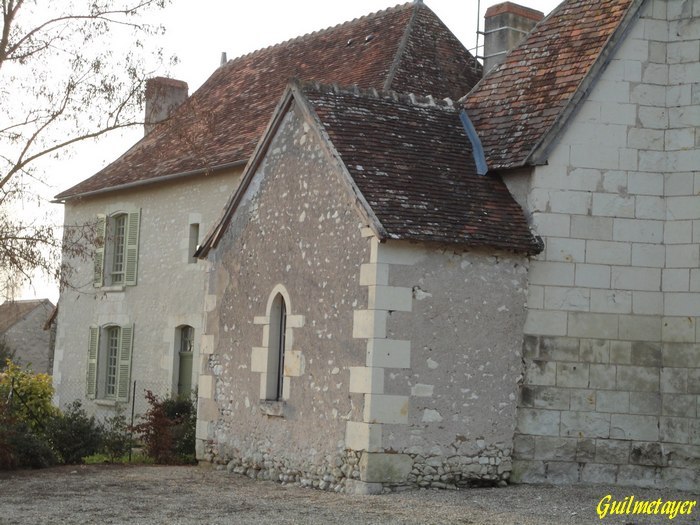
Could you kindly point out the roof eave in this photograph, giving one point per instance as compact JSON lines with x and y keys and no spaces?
{"x":62,"y":199}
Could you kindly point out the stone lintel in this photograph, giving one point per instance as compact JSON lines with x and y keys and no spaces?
{"x":373,"y":274}
{"x":206,"y":344}
{"x":258,"y":359}
{"x":390,"y":298}
{"x":369,"y":323}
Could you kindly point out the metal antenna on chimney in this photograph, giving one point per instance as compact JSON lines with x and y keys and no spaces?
{"x":478,"y":34}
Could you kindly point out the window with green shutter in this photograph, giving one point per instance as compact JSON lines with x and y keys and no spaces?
{"x":109,"y":362}
{"x":117,"y":249}
{"x":124,"y":371}
{"x":93,"y":350}
{"x":100,"y":238}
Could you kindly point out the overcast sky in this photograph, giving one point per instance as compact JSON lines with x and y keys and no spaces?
{"x":198,"y":32}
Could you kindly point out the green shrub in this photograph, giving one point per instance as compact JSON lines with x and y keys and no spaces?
{"x":19,"y":445}
{"x":116,"y":438}
{"x":6,"y":354}
{"x":73,"y":434}
{"x":29,"y":396}
{"x":168,"y":429}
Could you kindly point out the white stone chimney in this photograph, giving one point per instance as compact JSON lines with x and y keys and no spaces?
{"x":163,"y":96}
{"x":505,"y":25}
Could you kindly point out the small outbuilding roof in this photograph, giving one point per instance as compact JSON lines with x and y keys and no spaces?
{"x":12,"y":312}
{"x":411,"y":164}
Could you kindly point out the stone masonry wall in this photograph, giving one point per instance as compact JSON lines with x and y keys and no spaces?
{"x":31,"y":343}
{"x":297,"y":233}
{"x":440,"y":325}
{"x":612,"y":385}
{"x":391,"y":380}
{"x":465,"y":331}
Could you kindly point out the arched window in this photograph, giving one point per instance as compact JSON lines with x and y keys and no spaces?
{"x":275,"y":365}
{"x":184,"y":343}
{"x":275,"y":359}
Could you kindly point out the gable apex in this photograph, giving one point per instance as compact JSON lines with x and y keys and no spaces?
{"x":409,"y":164}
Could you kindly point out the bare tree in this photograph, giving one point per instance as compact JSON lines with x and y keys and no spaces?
{"x":62,"y":80}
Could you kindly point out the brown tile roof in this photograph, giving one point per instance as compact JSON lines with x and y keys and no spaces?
{"x":414,"y":165}
{"x":405,"y":47}
{"x":12,"y":312}
{"x":518,"y":104}
{"x":411,"y":163}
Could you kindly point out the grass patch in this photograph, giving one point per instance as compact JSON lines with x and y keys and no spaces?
{"x":137,"y":458}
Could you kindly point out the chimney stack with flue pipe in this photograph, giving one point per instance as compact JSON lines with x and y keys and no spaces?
{"x":505,"y":25}
{"x":163,"y":96}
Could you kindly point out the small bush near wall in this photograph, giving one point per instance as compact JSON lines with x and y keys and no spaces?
{"x":116,"y":436}
{"x":34,"y":433}
{"x":73,"y":434}
{"x":25,"y":413}
{"x":167,"y":429}
{"x":28,"y":395}
{"x":20,"y":446}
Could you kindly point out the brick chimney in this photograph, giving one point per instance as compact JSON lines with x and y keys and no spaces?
{"x":163,"y":96}
{"x":505,"y":25}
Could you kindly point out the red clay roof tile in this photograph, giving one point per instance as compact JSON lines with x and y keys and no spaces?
{"x":406,"y":47}
{"x":413,"y":163}
{"x":517,"y":103}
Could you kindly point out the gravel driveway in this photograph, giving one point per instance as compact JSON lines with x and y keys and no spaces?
{"x":146,"y":495}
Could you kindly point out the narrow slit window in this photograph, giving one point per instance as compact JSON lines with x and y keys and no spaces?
{"x":280,"y":348}
{"x":194,"y":242}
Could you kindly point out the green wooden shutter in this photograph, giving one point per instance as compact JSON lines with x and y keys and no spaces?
{"x":100,"y":236}
{"x":132,"y":247}
{"x":93,"y":350}
{"x":124,"y":369}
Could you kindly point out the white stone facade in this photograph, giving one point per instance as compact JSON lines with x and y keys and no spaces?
{"x":613,"y":347}
{"x":169,"y":292}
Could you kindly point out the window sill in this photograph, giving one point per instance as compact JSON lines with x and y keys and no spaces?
{"x":112,"y":288}
{"x":272,"y":408}
{"x":106,"y":402}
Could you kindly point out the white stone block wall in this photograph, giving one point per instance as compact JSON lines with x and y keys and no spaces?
{"x":614,"y":299}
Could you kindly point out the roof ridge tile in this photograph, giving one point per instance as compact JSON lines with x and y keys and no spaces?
{"x":312,"y":34}
{"x":372,"y":92}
